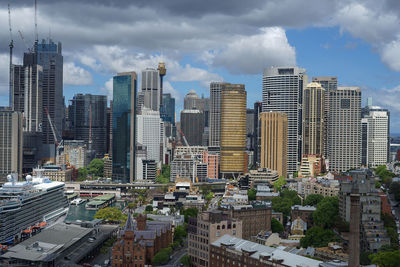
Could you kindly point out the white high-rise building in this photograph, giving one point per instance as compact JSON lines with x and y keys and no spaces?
{"x":344,"y":129}
{"x":282,"y":92}
{"x":148,"y":132}
{"x":375,"y":136}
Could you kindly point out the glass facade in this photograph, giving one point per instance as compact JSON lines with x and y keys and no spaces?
{"x":124,"y":99}
{"x":168,"y":109}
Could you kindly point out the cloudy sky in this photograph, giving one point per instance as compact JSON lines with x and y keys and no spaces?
{"x":203,"y":41}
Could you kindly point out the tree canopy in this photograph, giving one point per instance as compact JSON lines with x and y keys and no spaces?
{"x":386,"y":258}
{"x":327,"y":212}
{"x":96,"y":168}
{"x":162,"y":257}
{"x":313,"y":200}
{"x":189,"y":212}
{"x":385,"y":175}
{"x":285,"y":201}
{"x":112,"y":214}
{"x":318,"y":237}
{"x":163,"y":177}
{"x":276,"y":226}
{"x":251,"y":193}
{"x":279,"y":183}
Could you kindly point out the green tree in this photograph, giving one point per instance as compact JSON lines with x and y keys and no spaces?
{"x":96,"y":168}
{"x":251,"y":193}
{"x":279,"y":183}
{"x":313,"y":200}
{"x":386,"y":258}
{"x":318,"y":237}
{"x":209,"y":196}
{"x":161,"y":258}
{"x":179,"y":233}
{"x":82,"y":174}
{"x":385,"y":175}
{"x":112,"y":214}
{"x":190,"y":212}
{"x":364,"y":258}
{"x":149,"y":208}
{"x":285,"y":201}
{"x":131,"y":206}
{"x":327,"y":212}
{"x":185,"y":260}
{"x":276,"y":226}
{"x":292,"y":195}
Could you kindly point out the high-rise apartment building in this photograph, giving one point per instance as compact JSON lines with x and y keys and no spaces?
{"x":375,"y":136}
{"x":313,"y":119}
{"x":148,"y":133}
{"x":88,"y":117}
{"x":274,"y":131}
{"x":124,"y":125}
{"x":283,"y":92}
{"x":215,"y":114}
{"x":233,"y":129}
{"x":328,"y":83}
{"x":10,"y":142}
{"x":49,"y":56}
{"x":192,"y":126}
{"x":150,"y":86}
{"x":344,"y":129}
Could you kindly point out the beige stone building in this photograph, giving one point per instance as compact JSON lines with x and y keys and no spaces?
{"x":274,"y":130}
{"x":206,"y":228}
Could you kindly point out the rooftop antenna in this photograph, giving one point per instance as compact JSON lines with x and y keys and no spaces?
{"x":36,"y":31}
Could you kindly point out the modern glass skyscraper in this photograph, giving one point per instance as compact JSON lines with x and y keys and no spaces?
{"x":88,"y":117}
{"x":167,"y":112}
{"x":192,"y":125}
{"x":50,"y":58}
{"x":283,"y":92}
{"x":150,"y":86}
{"x":124,"y":124}
{"x":344,"y":129}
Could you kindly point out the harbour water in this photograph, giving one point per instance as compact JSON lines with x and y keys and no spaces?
{"x":79,"y":212}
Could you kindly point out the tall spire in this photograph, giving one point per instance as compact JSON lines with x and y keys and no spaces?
{"x":129,"y":223}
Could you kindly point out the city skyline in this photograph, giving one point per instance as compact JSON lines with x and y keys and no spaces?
{"x":197,"y":51}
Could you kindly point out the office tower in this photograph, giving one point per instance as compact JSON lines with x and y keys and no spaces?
{"x":33,"y":96}
{"x":215,"y":114}
{"x":151,"y":89}
{"x":313,"y":119}
{"x":109,"y":130}
{"x":257,"y":134}
{"x":17,"y":88}
{"x":148,"y":132}
{"x":88,"y":116}
{"x":162,"y":71}
{"x":192,"y":125}
{"x":167,"y":112}
{"x":49,"y":56}
{"x":212,"y":161}
{"x":124,"y":125}
{"x":328,"y":83}
{"x":283,"y":92}
{"x":375,"y":141}
{"x":274,"y":135}
{"x":149,"y":170}
{"x":233,"y":130}
{"x":10,"y":142}
{"x":139,"y":102}
{"x":344,"y":129}
{"x":191,"y":100}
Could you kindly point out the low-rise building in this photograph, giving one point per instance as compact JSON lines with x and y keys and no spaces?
{"x":333,"y":251}
{"x":233,"y":251}
{"x":264,"y":192}
{"x":297,"y":229}
{"x":319,"y":186}
{"x":206,"y":228}
{"x":303,"y":212}
{"x":262,"y":176}
{"x":56,"y":173}
{"x":311,"y":166}
{"x":138,"y":242}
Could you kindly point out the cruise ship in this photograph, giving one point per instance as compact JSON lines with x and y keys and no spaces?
{"x":28,"y":203}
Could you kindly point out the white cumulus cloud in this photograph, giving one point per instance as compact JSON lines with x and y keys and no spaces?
{"x":76,"y":75}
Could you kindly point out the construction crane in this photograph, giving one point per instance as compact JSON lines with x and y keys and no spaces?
{"x":60,"y":144}
{"x":23,"y":39}
{"x":11,"y":45}
{"x":191,"y":154}
{"x":36,"y":31}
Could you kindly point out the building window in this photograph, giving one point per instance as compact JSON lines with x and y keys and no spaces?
{"x":223,"y":226}
{"x":234,"y":225}
{"x":218,"y":234}
{"x":218,"y":227}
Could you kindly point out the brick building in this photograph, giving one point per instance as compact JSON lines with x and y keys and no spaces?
{"x":205,"y":229}
{"x":139,"y":242}
{"x":303,"y":212}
